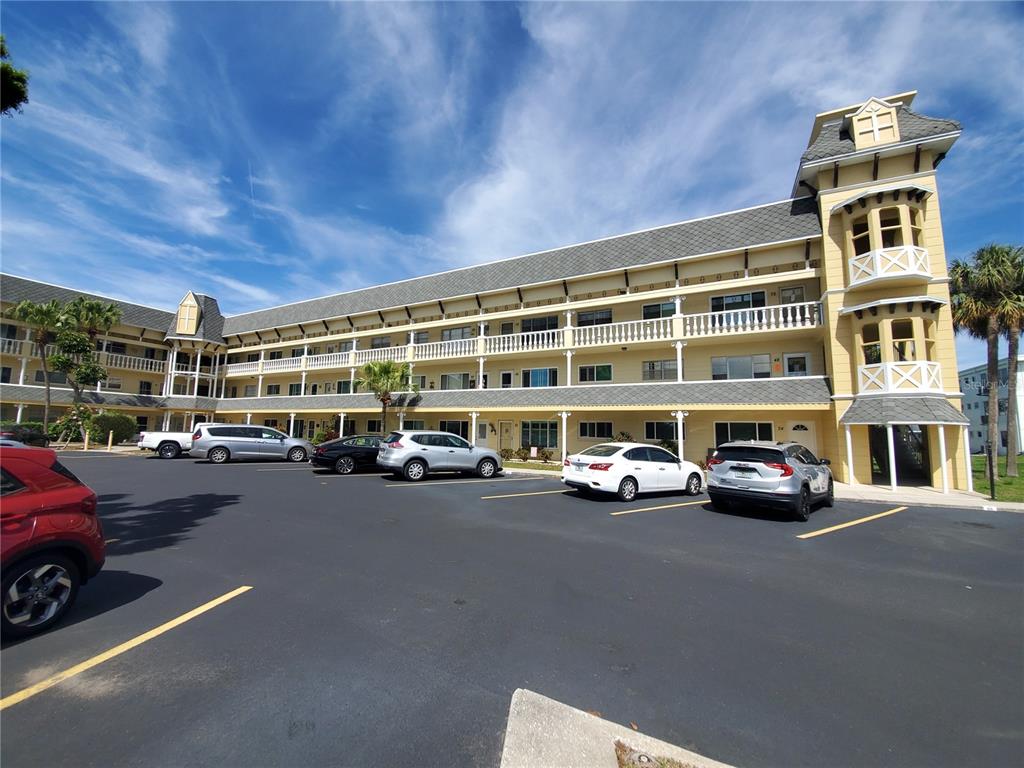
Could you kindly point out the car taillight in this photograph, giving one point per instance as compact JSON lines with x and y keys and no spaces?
{"x":196,"y":435}
{"x":89,"y":505}
{"x":396,"y":444}
{"x":712,"y":462}
{"x":565,"y":463}
{"x":601,"y":467}
{"x":785,"y":468}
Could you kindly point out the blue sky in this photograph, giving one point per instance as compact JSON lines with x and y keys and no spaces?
{"x":270,"y":152}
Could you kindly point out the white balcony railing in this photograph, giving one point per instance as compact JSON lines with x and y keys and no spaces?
{"x":242,"y":368}
{"x":623,"y":333}
{"x":439,"y":350}
{"x":363,"y":356}
{"x":282,"y":364}
{"x":10,"y":347}
{"x":132,"y":363}
{"x":330,"y":360}
{"x":523,"y":342}
{"x":889,"y":263}
{"x":773,"y":318}
{"x":916,"y":376}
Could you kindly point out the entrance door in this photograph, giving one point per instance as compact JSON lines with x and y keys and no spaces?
{"x":803,"y":432}
{"x":504,"y":435}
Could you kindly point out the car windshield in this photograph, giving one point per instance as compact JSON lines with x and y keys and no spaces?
{"x":601,"y":450}
{"x":748,"y":453}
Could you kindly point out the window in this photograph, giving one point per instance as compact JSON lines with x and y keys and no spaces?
{"x":903,"y":348}
{"x":796,"y":364}
{"x":916,"y":226}
{"x":313,"y":388}
{"x":658,"y":370}
{"x":727,"y":431}
{"x":421,"y":337}
{"x":9,"y":483}
{"x":595,"y":372}
{"x":344,"y":387}
{"x":540,"y":377}
{"x":654,"y":311}
{"x":294,"y":389}
{"x":660,"y":455}
{"x":594,"y":317}
{"x":5,"y":375}
{"x":273,"y":389}
{"x":328,"y":387}
{"x":451,"y":334}
{"x":145,"y":388}
{"x":597,"y":430}
{"x":420,"y":382}
{"x":890,"y":228}
{"x":460,"y":428}
{"x":741,"y":367}
{"x":113,"y":347}
{"x":861,"y":236}
{"x":252,"y":357}
{"x":454,"y":381}
{"x":507,"y":328}
{"x":506,"y":379}
{"x":547,"y":323}
{"x":270,"y":422}
{"x":870,"y":345}
{"x":277,"y":354}
{"x":345,"y":346}
{"x":294,"y":353}
{"x":542,"y":434}
{"x":373,"y":426}
{"x":149,"y":353}
{"x":142,"y":423}
{"x":250,"y":390}
{"x":56,"y":377}
{"x":660,"y":430}
{"x":737,"y":301}
{"x":413,"y":424}
{"x":270,"y":434}
{"x":8,"y":331}
{"x":380,"y":342}
{"x":794,"y":294}
{"x":481,"y":430}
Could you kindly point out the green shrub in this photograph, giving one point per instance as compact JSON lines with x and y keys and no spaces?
{"x":121,"y":424}
{"x":33,"y":425}
{"x":623,"y":437}
{"x":544,"y":454}
{"x":506,"y":454}
{"x":323,"y":435}
{"x":669,"y":445}
{"x":523,"y":454}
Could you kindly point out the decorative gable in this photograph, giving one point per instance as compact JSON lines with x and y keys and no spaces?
{"x":874,"y":124}
{"x":188,"y":315}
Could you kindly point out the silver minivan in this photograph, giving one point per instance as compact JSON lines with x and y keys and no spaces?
{"x":414,"y":453}
{"x":223,"y":442}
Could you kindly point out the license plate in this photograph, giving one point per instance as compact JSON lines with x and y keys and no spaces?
{"x":578,"y":467}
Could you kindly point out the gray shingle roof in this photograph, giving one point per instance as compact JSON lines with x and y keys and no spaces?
{"x":13,"y":393}
{"x":211,"y":322}
{"x":834,"y":140}
{"x":772,"y":392}
{"x":900,"y":409}
{"x":787,"y":220}
{"x":14,"y":289}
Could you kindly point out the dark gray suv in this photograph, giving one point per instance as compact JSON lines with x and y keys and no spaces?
{"x":785,"y":475}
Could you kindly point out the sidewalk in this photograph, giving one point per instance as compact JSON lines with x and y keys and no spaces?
{"x":121,"y":450}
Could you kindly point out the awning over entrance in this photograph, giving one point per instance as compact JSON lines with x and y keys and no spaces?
{"x":902,"y":410}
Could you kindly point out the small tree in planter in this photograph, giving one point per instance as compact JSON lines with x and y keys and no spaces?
{"x":544,"y":454}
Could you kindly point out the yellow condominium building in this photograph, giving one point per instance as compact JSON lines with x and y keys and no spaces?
{"x":823,"y":318}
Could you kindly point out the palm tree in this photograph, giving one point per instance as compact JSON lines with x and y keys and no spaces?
{"x":1011,"y":311}
{"x":91,"y":316}
{"x":45,"y":319}
{"x":985,"y":303}
{"x":384,"y":378}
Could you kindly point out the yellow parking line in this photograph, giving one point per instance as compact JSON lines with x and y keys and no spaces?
{"x":663,"y":506}
{"x":117,"y":650}
{"x":867,"y":519}
{"x":457,"y":482}
{"x":532,"y":493}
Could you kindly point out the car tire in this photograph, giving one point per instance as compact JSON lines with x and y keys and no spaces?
{"x":693,"y":484}
{"x":63,"y":579}
{"x":802,"y":506}
{"x":486,"y":468}
{"x":168,"y":450}
{"x":830,"y":497}
{"x":628,"y":489}
{"x":297,"y":454}
{"x":344,"y":465}
{"x":219,"y":455}
{"x":415,"y":470}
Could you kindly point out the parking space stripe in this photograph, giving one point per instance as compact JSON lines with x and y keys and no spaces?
{"x":840,"y":527}
{"x":531,"y":493}
{"x":117,"y":650}
{"x":459,"y":482}
{"x":663,"y":506}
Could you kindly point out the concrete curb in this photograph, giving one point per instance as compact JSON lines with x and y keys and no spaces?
{"x":545,"y":732}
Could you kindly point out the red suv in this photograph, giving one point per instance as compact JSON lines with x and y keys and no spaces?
{"x":51,"y":542}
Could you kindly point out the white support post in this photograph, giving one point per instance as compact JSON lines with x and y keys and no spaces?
{"x":248,"y":418}
{"x":568,"y":318}
{"x":224,"y":387}
{"x":967,"y":458}
{"x":26,"y":350}
{"x":341,"y":424}
{"x":199,"y":360}
{"x":291,"y":425}
{"x":678,"y":300}
{"x":167,"y":421}
{"x":942,"y":457}
{"x":172,"y":365}
{"x":849,"y":456}
{"x":21,"y":410}
{"x":680,"y":440}
{"x":302,"y":387}
{"x":412,"y":368}
{"x":473,"y":415}
{"x":565,"y":433}
{"x":21,"y":373}
{"x":892,"y":456}
{"x":401,"y":419}
{"x":568,"y":367}
{"x":679,"y":360}
{"x":480,"y":372}
{"x":352,"y":379}
{"x":259,"y":386}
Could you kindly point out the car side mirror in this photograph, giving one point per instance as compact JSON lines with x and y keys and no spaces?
{"x":826,"y":462}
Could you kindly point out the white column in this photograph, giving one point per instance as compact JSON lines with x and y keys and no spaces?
{"x":26,"y":350}
{"x":678,"y":300}
{"x":291,"y":425}
{"x":199,"y":360}
{"x":892,"y":456}
{"x":259,"y":386}
{"x":341,"y":424}
{"x":849,"y":456}
{"x":967,"y":458}
{"x":216,"y":374}
{"x":302,"y":387}
{"x":224,"y":387}
{"x":412,"y":368}
{"x":565,"y":433}
{"x":679,"y":360}
{"x":680,"y":415}
{"x":103,"y":348}
{"x":401,"y":419}
{"x":942,"y":458}
{"x":172,"y":364}
{"x":473,"y":415}
{"x":21,"y":373}
{"x":352,"y":378}
{"x":167,"y":421}
{"x":190,"y":420}
{"x":248,"y":418}
{"x":568,"y":318}
{"x":480,"y":372}
{"x":21,"y":408}
{"x":568,"y":367}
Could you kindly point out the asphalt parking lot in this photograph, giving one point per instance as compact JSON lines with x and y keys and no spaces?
{"x":388,"y":623}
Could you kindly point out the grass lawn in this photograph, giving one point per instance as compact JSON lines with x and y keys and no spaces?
{"x":1007,"y":488}
{"x":551,"y":466}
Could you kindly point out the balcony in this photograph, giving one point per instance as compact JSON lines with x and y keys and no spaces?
{"x":735,"y":321}
{"x":632,"y":332}
{"x":905,"y":264}
{"x":282,"y":364}
{"x":534,"y":341}
{"x":917,"y":376}
{"x":132,"y":363}
{"x":363,"y":356}
{"x":10,"y":347}
{"x":441,"y":350}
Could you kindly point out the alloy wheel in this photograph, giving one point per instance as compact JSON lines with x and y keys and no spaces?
{"x":38,"y":595}
{"x":344,"y":465}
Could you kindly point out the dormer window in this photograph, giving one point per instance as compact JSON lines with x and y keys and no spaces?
{"x":188,"y":315}
{"x":890,"y":228}
{"x":874,"y":124}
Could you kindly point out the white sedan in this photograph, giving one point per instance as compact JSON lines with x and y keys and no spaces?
{"x":627,"y":469}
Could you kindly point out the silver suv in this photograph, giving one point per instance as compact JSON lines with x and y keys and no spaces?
{"x":414,"y":453}
{"x":223,"y":442}
{"x":783,"y":475}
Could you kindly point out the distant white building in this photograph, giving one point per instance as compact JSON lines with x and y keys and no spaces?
{"x":974,"y":384}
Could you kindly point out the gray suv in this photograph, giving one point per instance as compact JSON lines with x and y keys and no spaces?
{"x":785,"y":475}
{"x":414,"y":453}
{"x":223,"y":442}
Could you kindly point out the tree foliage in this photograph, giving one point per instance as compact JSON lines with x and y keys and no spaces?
{"x":383,"y":378}
{"x":45,"y":319}
{"x":121,"y":424}
{"x":14,"y":85}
